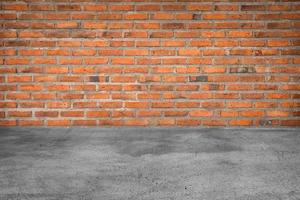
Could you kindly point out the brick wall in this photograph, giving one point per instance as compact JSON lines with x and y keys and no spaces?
{"x":85,"y":62}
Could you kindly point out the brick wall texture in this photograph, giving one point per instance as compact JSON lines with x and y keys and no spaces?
{"x":150,"y":63}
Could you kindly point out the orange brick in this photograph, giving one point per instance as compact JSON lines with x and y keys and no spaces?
{"x":122,"y":61}
{"x":95,"y":7}
{"x":122,"y":113}
{"x":200,"y":113}
{"x":148,"y":113}
{"x":30,"y":122}
{"x":214,"y":122}
{"x":240,"y":122}
{"x":175,"y":113}
{"x":278,"y":113}
{"x":46,"y":114}
{"x":229,"y":113}
{"x":19,"y":113}
{"x":137,"y":104}
{"x":58,"y":122}
{"x":188,"y":122}
{"x":121,"y":7}
{"x":166,"y":122}
{"x":252,"y":113}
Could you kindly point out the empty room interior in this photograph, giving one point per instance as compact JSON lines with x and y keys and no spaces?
{"x":149,"y":100}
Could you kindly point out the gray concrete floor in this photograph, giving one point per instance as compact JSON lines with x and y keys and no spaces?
{"x":149,"y":163}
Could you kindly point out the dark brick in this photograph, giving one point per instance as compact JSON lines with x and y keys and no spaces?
{"x":252,"y":7}
{"x":265,"y":122}
{"x":94,"y":78}
{"x":198,"y":78}
{"x":296,"y":113}
{"x":196,"y":16}
{"x":296,"y":96}
{"x":84,"y":34}
{"x":68,"y":7}
{"x":214,"y":87}
{"x":173,"y":26}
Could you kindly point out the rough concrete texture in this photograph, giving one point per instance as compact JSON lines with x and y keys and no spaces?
{"x":149,"y":163}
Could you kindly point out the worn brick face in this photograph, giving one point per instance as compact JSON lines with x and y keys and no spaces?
{"x":142,"y":63}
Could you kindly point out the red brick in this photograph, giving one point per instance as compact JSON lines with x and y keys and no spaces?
{"x":136,"y":104}
{"x":95,"y":7}
{"x":84,"y":122}
{"x":122,"y":61}
{"x":225,"y":7}
{"x":214,"y":122}
{"x":200,"y":113}
{"x":120,"y":25}
{"x":148,"y":7}
{"x":252,"y":7}
{"x":147,"y":43}
{"x":7,"y":16}
{"x":121,"y":7}
{"x":113,"y":104}
{"x":252,"y":113}
{"x":136,"y":16}
{"x":8,"y":122}
{"x":175,"y":113}
{"x":17,"y":6}
{"x":32,"y":105}
{"x":237,"y":104}
{"x":240,"y":122}
{"x":96,"y":96}
{"x":187,"y":104}
{"x":278,"y":113}
{"x":161,"y":35}
{"x":290,"y":122}
{"x":58,"y":104}
{"x":17,"y":96}
{"x":58,"y":122}
{"x":30,"y":122}
{"x":147,"y":25}
{"x":31,"y":52}
{"x":9,"y":34}
{"x":188,"y":122}
{"x":148,"y":113}
{"x":136,"y":122}
{"x":19,"y":113}
{"x":200,"y":7}
{"x":46,"y":114}
{"x":42,"y":7}
{"x":229,"y":113}
{"x":162,"y":105}
{"x":19,"y":79}
{"x":43,"y":96}
{"x":44,"y":61}
{"x":166,"y":122}
{"x":189,"y":52}
{"x":71,"y":114}
{"x":173,"y":7}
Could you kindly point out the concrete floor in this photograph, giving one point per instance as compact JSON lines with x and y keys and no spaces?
{"x":149,"y":163}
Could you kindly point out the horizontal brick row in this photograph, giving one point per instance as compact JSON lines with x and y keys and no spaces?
{"x":142,"y":104}
{"x":145,"y":122}
{"x":20,"y":6}
{"x":39,"y":53}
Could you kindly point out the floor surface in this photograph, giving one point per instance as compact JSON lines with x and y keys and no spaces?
{"x":149,"y":164}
